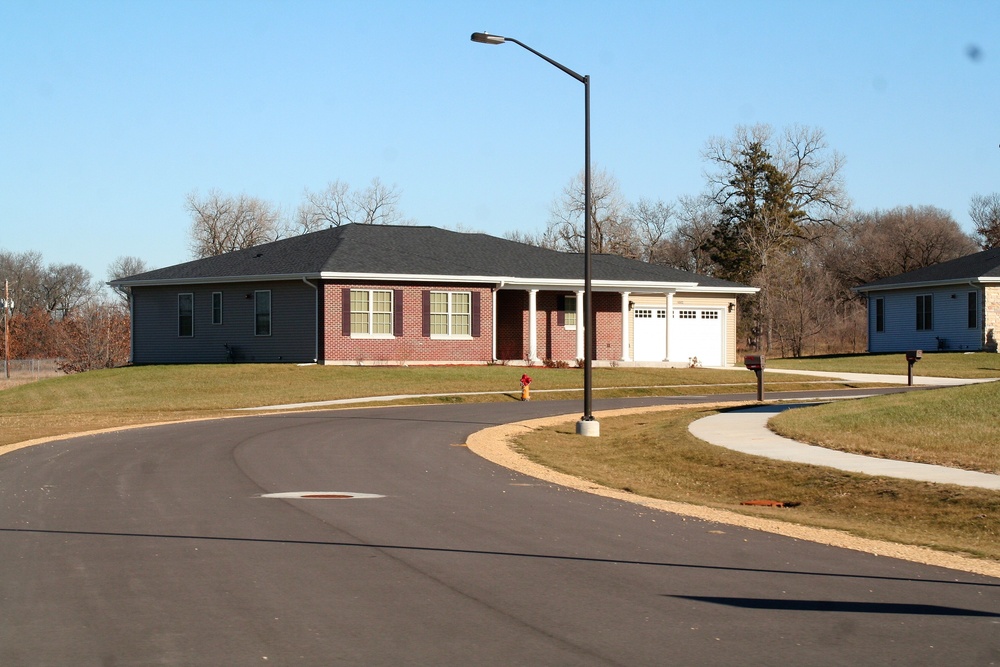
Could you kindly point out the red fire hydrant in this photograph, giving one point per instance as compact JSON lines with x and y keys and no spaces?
{"x":525,"y":388}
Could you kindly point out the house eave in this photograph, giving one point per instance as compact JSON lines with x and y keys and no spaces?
{"x":865,"y":289}
{"x":568,"y":284}
{"x":207,"y":280}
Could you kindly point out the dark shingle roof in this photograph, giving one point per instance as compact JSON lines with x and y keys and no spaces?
{"x":413,"y":251}
{"x":985,"y":264}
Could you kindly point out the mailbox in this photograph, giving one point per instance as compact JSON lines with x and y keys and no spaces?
{"x":754,"y":362}
{"x":912,"y":357}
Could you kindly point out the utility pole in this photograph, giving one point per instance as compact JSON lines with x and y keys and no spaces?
{"x":7,"y":304}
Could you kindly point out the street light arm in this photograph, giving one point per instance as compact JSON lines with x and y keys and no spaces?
{"x":486,"y":38}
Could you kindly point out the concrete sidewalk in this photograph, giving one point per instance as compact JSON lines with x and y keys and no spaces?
{"x":746,"y":431}
{"x":918,"y":380}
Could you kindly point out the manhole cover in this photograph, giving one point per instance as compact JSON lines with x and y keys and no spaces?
{"x":321,"y":495}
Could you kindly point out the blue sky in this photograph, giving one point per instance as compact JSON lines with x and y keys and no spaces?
{"x":112,"y":112}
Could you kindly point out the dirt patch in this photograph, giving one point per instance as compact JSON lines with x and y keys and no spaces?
{"x":494,"y":445}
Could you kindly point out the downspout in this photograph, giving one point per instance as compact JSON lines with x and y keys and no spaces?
{"x":316,"y":337}
{"x":131,"y":327}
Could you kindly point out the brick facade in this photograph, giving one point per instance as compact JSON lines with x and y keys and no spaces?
{"x":554,"y":340}
{"x":412,"y":345}
{"x":991,"y":318}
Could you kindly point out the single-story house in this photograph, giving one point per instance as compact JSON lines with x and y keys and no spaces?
{"x":360,"y":294}
{"x":953,"y":305}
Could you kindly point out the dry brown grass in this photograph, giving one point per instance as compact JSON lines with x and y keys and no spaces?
{"x":654,"y":455}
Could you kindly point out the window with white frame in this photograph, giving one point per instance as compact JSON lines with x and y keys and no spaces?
{"x":262,"y":312}
{"x":451,"y":314}
{"x":371,"y":312}
{"x":569,"y":312}
{"x":185,"y":315}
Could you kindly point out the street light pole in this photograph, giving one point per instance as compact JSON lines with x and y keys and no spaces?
{"x":587,"y":425}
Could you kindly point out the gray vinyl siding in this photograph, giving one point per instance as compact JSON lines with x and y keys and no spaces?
{"x":155,"y":337}
{"x":950,"y":320}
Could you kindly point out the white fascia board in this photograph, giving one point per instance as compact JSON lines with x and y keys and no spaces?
{"x":926,"y":284}
{"x":724,"y":290}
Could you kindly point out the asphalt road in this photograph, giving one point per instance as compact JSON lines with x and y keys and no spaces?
{"x":155,"y":547}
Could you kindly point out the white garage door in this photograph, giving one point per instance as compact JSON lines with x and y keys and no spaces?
{"x":650,"y":335}
{"x":697,"y":332}
{"x":694,"y":332}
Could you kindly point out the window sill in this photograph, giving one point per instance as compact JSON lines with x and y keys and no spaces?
{"x":451,"y":337}
{"x":372,"y":336}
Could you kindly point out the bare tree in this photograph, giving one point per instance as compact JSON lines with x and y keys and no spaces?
{"x":378,"y":204}
{"x":338,"y":205}
{"x":24,"y":271}
{"x":542,"y":239}
{"x":686,"y":246}
{"x":224,"y":223}
{"x":886,"y":243}
{"x":652,"y":223}
{"x":985,"y":213}
{"x":123,"y":267}
{"x":611,"y":228}
{"x":800,"y":153}
{"x":66,"y":287}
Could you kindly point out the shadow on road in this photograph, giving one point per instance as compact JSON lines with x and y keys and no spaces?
{"x":515,"y":554}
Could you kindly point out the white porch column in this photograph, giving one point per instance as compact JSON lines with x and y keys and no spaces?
{"x":625,"y":326}
{"x":532,"y":325}
{"x":494,"y":325}
{"x":670,"y":311}
{"x":580,"y":326}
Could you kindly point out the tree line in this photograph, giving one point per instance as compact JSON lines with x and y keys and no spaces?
{"x":59,"y":311}
{"x":222,"y":223}
{"x":774,"y":214}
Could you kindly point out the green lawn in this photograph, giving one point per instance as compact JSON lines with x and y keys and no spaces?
{"x":933,"y":364}
{"x":953,"y":426}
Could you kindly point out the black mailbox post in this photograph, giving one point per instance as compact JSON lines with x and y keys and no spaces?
{"x":755,"y":362}
{"x":912,"y":357}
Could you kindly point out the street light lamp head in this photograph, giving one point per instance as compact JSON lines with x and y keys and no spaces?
{"x":487,"y":38}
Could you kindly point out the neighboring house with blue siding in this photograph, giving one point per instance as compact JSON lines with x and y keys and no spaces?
{"x":953,"y":305}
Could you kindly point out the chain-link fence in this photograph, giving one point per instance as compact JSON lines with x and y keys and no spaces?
{"x":19,"y":371}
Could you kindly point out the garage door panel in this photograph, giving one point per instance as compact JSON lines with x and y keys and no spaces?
{"x":649,"y":334}
{"x":697,"y":332}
